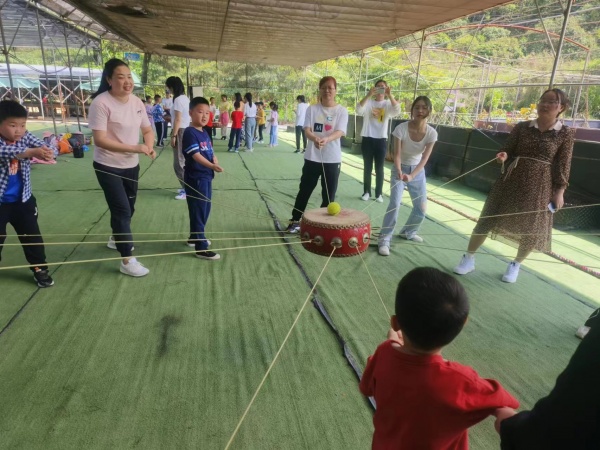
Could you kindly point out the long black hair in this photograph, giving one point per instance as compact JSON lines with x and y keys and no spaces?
{"x":109,"y":69}
{"x":176,"y":86}
{"x":238,"y":97}
{"x":248,"y":97}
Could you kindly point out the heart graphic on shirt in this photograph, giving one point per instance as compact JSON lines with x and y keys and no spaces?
{"x":328,"y":127}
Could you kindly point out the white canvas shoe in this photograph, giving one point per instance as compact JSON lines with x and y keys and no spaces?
{"x":582,"y":331}
{"x":379,"y":199}
{"x":466,"y":265}
{"x":384,"y":250}
{"x":414,"y":237}
{"x":366,"y":196}
{"x":512,"y":272}
{"x":181,"y":195}
{"x":134,"y":268}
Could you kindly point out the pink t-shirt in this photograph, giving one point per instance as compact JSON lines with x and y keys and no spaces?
{"x":122,"y":123}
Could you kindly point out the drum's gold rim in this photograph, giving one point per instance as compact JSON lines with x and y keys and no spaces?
{"x":334,"y":227}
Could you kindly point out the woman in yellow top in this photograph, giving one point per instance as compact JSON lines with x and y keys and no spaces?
{"x":224,"y":111}
{"x":261,"y":120}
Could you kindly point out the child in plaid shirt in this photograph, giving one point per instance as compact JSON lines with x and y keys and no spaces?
{"x":17,"y":204}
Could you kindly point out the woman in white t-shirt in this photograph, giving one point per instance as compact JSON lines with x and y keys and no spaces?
{"x":413,"y":143}
{"x":300,"y":117}
{"x":180,"y":120}
{"x":115,"y":118}
{"x":325,"y":124}
{"x":250,"y":117}
{"x":376,"y":114}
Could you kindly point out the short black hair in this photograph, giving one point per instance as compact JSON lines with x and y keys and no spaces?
{"x":431,"y":307}
{"x":236,"y":105}
{"x":301,"y":99}
{"x":10,"y":109}
{"x":198,"y":101}
{"x":157,"y":96}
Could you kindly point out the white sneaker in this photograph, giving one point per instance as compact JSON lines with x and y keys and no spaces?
{"x":181,"y":195}
{"x":582,"y":331}
{"x":366,"y":196}
{"x":379,"y":199}
{"x":512,"y":272}
{"x":384,"y":250}
{"x":134,"y":268}
{"x":466,"y":265}
{"x":414,"y":237}
{"x":113,"y":245}
{"x":193,"y":244}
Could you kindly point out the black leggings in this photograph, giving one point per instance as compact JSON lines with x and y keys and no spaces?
{"x":160,"y":132}
{"x":120,"y":190}
{"x":373,"y":149}
{"x":260,"y":132}
{"x":311,"y":171}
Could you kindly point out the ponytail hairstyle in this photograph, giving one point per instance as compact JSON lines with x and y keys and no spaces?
{"x":248,"y":97}
{"x":107,"y":73}
{"x":176,"y":86}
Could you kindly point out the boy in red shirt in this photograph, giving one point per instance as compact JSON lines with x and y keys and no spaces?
{"x":236,"y":128}
{"x":209,"y":126}
{"x":423,"y":401}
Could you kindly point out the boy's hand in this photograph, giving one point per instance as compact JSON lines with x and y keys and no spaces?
{"x":501,"y":157}
{"x":151,"y":154}
{"x":395,"y":336}
{"x":36,"y":152}
{"x":48,"y":153}
{"x":501,"y":414}
{"x":217,"y":168}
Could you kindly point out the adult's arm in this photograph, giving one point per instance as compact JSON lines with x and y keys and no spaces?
{"x":569,"y":417}
{"x":561,"y":168}
{"x":101,"y":139}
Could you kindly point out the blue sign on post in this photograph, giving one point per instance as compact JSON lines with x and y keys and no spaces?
{"x":132,"y":56}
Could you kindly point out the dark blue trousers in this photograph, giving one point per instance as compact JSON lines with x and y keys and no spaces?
{"x":198,"y":195}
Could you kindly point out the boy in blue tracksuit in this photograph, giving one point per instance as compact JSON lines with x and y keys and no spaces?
{"x":200,"y":167}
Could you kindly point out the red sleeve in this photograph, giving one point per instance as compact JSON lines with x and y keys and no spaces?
{"x":482,"y":396}
{"x":367,"y":382}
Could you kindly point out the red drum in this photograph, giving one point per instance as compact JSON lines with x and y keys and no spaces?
{"x":349,"y":232}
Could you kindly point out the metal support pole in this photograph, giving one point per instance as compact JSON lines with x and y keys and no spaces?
{"x":544,"y":27}
{"x":37,"y":15}
{"x":419,"y":63}
{"x":362,"y":55}
{"x":71,"y":76}
{"x":5,"y":51}
{"x":579,"y":90}
{"x":561,"y":40}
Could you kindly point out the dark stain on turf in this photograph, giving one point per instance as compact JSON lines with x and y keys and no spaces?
{"x":166,"y":325}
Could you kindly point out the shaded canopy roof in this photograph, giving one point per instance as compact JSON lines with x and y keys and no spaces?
{"x":19,"y":22}
{"x":282,"y":32}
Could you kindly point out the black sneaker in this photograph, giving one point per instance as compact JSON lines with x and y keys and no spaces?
{"x":42,"y":278}
{"x":207,"y":254}
{"x":297,"y":150}
{"x":293,"y":228}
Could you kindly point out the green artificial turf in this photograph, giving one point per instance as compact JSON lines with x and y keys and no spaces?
{"x":171,"y":360}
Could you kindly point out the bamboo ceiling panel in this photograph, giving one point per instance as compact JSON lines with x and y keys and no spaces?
{"x":270,"y":31}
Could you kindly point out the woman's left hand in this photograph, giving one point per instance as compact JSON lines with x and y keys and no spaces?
{"x":558,"y":200}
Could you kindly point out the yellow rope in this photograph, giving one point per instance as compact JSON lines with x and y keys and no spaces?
{"x":118,"y":258}
{"x":262,"y":382}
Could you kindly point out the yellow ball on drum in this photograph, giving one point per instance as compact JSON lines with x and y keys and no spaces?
{"x":333,"y":209}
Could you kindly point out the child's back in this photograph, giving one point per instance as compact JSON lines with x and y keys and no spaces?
{"x":236,"y":119}
{"x":423,"y":401}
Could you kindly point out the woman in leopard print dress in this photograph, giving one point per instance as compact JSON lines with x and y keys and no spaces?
{"x":538,"y":154}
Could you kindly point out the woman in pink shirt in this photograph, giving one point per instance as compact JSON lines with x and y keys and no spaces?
{"x":116,"y":117}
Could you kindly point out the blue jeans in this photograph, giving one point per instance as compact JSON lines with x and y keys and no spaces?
{"x":250,"y":128}
{"x":273,"y":138}
{"x":417,"y":188}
